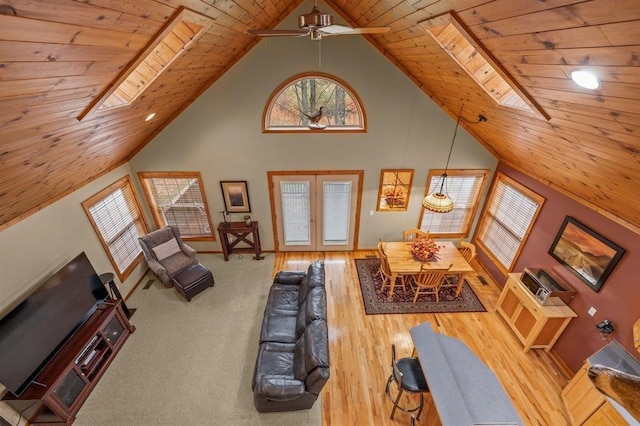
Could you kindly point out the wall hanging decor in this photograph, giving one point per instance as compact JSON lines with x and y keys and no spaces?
{"x":395,"y":188}
{"x":589,"y":255}
{"x":236,"y":196}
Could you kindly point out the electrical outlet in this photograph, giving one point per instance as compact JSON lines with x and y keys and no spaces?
{"x":370,"y":212}
{"x":592,"y":311}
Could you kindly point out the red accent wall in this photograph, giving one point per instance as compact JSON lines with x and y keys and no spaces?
{"x":619,"y":297}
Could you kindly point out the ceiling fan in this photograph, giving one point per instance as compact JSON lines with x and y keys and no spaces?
{"x":317,"y":25}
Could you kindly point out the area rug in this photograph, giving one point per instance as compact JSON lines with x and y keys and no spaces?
{"x":376,"y":302}
{"x":191,"y":363}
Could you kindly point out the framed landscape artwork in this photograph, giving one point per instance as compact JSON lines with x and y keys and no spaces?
{"x":395,"y":188}
{"x":589,"y":255}
{"x":236,"y":196}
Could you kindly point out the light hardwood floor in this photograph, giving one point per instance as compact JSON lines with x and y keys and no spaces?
{"x":360,"y":350}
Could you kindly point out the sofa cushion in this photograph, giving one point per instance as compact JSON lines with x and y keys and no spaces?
{"x":166,"y":249}
{"x":282,"y":299}
{"x":313,"y":308}
{"x":289,"y":277}
{"x":314,"y":278}
{"x":177,"y":262}
{"x":278,"y":328}
{"x":311,"y":350}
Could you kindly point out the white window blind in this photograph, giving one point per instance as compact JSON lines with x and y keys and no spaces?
{"x":336,"y":207}
{"x":178,"y":201}
{"x":295,"y":212}
{"x":118,"y":222}
{"x":508,"y":218}
{"x":464,"y":190}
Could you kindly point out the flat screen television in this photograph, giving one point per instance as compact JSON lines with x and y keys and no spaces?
{"x":33,"y":332}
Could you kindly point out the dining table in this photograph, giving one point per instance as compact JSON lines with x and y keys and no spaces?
{"x":403,"y":262}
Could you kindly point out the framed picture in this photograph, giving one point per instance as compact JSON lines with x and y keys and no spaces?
{"x":236,"y":196}
{"x":589,"y":255}
{"x":394,"y":190}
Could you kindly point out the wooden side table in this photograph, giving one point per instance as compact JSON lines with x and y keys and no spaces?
{"x":235,"y":233}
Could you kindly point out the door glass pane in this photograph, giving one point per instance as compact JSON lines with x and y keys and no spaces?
{"x":335,"y":212}
{"x":295,"y":212}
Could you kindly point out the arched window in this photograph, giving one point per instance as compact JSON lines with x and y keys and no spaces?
{"x":314,"y":102}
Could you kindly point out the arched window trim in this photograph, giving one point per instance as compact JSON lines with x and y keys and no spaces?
{"x":303,"y":129}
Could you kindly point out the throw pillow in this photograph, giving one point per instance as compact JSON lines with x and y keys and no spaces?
{"x":166,"y":249}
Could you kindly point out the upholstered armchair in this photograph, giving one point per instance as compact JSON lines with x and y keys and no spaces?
{"x":166,"y":253}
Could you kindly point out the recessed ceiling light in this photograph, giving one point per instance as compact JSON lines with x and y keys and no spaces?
{"x":150,"y":116}
{"x":585,"y":79}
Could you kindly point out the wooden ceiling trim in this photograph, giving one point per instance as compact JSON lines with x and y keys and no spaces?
{"x":612,"y":89}
{"x":43,"y":52}
{"x":383,"y":10}
{"x":612,"y":56}
{"x":605,"y":103}
{"x":503,"y":9}
{"x":597,"y":131}
{"x":166,"y":47}
{"x":599,"y":124}
{"x":580,"y":37}
{"x":467,"y":51}
{"x":22,"y":29}
{"x":81,"y":14}
{"x":581,"y":147}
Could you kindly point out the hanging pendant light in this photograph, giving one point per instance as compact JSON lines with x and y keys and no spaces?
{"x":439,"y":201}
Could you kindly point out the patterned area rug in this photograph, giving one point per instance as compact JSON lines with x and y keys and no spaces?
{"x":376,"y":302}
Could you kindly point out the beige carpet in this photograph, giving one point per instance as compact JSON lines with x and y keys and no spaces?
{"x":192,"y":363}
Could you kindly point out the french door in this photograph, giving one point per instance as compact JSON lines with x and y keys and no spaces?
{"x":315,"y":211}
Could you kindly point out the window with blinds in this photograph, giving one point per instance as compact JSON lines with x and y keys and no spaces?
{"x":115,"y":215}
{"x":464,"y":188}
{"x":177,"y":199}
{"x":296,"y":211}
{"x":336,"y":208}
{"x":509,"y":215}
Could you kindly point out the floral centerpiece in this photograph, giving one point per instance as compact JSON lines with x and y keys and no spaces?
{"x":425,"y":249}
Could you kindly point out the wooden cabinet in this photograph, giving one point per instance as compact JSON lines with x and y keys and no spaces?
{"x":534,"y":324}
{"x":606,"y":415}
{"x":586,"y":405}
{"x":58,"y":392}
{"x":580,"y":397}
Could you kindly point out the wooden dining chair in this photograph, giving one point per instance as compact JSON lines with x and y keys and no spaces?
{"x":428,"y":281}
{"x":385,"y":271}
{"x":413,"y":233}
{"x":380,"y":253}
{"x":468,"y":251}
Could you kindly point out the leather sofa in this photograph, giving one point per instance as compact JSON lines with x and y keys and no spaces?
{"x":292,"y":365}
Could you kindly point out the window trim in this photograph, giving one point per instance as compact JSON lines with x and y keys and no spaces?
{"x":301,"y":129}
{"x":123,"y":182}
{"x":436,"y":173}
{"x":502,"y":178}
{"x":151,"y":202}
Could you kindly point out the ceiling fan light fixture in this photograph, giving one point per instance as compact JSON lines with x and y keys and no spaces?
{"x":315,"y":19}
{"x":585,"y":79}
{"x":317,"y":24}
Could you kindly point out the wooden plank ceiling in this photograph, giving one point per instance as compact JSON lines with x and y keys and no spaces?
{"x":57,"y":56}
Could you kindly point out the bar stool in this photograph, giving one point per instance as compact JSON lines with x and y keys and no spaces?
{"x":408,"y":376}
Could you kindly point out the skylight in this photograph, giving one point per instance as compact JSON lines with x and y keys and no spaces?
{"x":168,"y":45}
{"x":467,"y":51}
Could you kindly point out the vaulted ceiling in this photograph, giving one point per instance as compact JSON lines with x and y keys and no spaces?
{"x":58,"y":57}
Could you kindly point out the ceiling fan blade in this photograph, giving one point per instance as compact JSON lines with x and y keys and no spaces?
{"x":341,"y":29}
{"x":278,"y":33}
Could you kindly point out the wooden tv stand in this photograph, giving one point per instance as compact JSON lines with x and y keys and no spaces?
{"x":58,"y":392}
